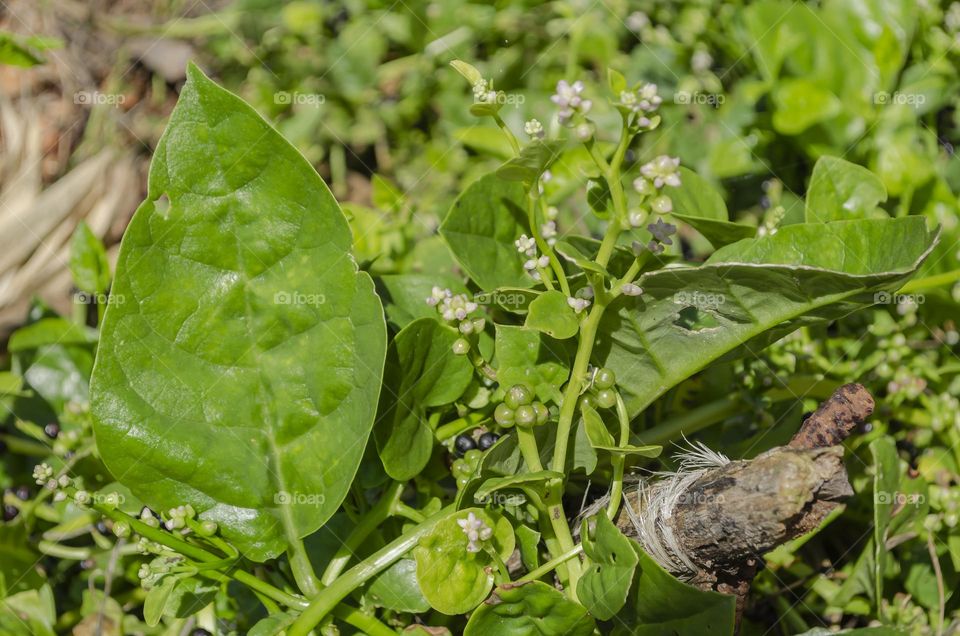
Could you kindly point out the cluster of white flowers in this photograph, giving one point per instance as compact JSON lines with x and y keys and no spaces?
{"x":43,"y":475}
{"x":534,"y":129}
{"x":569,"y":97}
{"x":456,"y":308}
{"x":484,"y":93}
{"x":661,"y":171}
{"x":656,"y":174}
{"x":177,"y":517}
{"x":527,"y":246}
{"x":476,"y":530}
{"x":643,"y":101}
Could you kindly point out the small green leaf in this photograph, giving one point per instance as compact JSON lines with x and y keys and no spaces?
{"x":529,"y":609}
{"x":616,"y":81}
{"x":422,"y":371}
{"x":272,"y":625}
{"x":698,"y":204}
{"x":516,"y":300}
{"x":29,"y":613}
{"x":405,"y":296}
{"x":157,"y":598}
{"x":396,"y":588}
{"x":535,"y":478}
{"x":528,"y":542}
{"x":801,"y":103}
{"x":841,"y":191}
{"x":469,"y":72}
{"x":485,"y":109}
{"x":524,"y":356}
{"x":88,"y":261}
{"x":453,"y":580}
{"x":596,"y":429}
{"x":608,"y":576}
{"x":551,"y":314}
{"x":533,"y":159}
{"x":574,"y":255}
{"x":660,"y":604}
{"x":481,"y":228}
{"x":50,"y":331}
{"x":17,"y":53}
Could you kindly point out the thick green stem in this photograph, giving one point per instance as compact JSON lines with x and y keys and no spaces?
{"x":544,"y":247}
{"x":578,"y":376}
{"x":364,"y":622}
{"x":528,"y":448}
{"x":302,"y":569}
{"x":328,"y":598}
{"x":367,"y":524}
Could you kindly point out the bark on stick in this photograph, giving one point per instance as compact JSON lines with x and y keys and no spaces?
{"x":728,"y":517}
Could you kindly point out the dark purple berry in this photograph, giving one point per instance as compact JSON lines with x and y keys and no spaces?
{"x":464,"y":443}
{"x":487,"y":440}
{"x":51,"y":430}
{"x":200,"y":632}
{"x":22,"y":493}
{"x":102,"y":527}
{"x":10,"y":513}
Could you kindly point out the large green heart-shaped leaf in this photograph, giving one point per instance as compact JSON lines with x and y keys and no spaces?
{"x":481,"y":228}
{"x":240,"y":373}
{"x":749,"y":294}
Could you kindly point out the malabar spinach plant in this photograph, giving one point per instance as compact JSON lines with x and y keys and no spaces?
{"x":411,"y":452}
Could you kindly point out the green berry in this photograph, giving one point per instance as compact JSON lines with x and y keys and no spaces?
{"x":518,"y":395}
{"x":461,"y":468}
{"x":606,"y":398}
{"x":588,"y":400}
{"x":503,"y":415}
{"x":462,"y":482}
{"x":605,"y":379}
{"x":526,"y":415}
{"x":543,"y":413}
{"x":473,"y":457}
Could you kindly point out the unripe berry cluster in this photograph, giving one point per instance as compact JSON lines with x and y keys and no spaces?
{"x":602,"y":392}
{"x":519,"y":407}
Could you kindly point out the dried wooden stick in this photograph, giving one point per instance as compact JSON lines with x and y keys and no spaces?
{"x":712,"y":521}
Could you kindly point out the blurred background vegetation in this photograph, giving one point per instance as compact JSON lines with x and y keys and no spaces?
{"x":754,"y":94}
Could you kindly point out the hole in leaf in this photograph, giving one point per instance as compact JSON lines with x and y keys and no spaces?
{"x":694,"y":319}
